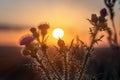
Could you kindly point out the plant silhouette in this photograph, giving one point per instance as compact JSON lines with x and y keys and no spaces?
{"x":72,"y":62}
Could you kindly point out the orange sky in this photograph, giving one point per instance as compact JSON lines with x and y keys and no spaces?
{"x":68,"y":15}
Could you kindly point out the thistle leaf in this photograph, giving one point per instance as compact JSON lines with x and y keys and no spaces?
{"x":71,"y":44}
{"x":46,"y":38}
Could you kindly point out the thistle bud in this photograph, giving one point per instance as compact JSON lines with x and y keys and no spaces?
{"x":43,"y":28}
{"x":94,"y":18}
{"x":33,"y":30}
{"x":61,"y":43}
{"x":103,"y":12}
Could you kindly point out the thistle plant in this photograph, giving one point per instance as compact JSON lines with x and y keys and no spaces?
{"x":113,"y":71}
{"x":37,"y":41}
{"x":112,"y":41}
{"x":69,"y":61}
{"x":31,"y":49}
{"x":99,"y":24}
{"x":63,"y":50}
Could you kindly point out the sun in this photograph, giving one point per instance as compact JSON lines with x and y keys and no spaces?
{"x":58,"y":33}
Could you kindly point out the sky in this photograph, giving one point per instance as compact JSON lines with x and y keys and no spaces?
{"x":32,"y":12}
{"x":70,"y":15}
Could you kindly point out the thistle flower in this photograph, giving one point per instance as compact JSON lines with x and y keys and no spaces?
{"x":43,"y":28}
{"x":26,"y":40}
{"x":103,"y":12}
{"x":94,"y":18}
{"x":61,"y":43}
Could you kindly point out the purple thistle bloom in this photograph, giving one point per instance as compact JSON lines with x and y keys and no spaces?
{"x":26,"y":40}
{"x":103,"y":12}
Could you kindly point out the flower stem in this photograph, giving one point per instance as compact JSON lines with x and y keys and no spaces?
{"x":59,"y":78}
{"x":43,"y":67}
{"x":87,"y":55}
{"x":66,"y":66}
{"x":115,"y":33}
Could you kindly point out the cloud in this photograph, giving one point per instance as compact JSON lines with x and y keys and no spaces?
{"x":5,"y":27}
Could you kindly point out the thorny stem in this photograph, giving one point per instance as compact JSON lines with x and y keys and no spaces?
{"x":115,"y":33}
{"x":110,"y":5}
{"x":44,"y":52}
{"x":87,"y":55}
{"x":66,"y":66}
{"x":43,"y":36}
{"x":43,"y":67}
{"x":38,"y":41}
{"x":59,"y":78}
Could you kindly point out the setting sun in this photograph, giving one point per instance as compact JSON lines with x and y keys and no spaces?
{"x":58,"y":33}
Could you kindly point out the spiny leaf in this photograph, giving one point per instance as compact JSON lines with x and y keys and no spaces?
{"x":99,"y":39}
{"x":71,"y":44}
{"x":90,"y":30}
{"x":46,"y":38}
{"x":57,"y":49}
{"x":84,"y":45}
{"x":91,"y":22}
{"x":81,"y":41}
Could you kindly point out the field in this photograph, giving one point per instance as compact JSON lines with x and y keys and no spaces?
{"x":12,"y":63}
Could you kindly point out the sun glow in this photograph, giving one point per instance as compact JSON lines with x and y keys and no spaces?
{"x":58,"y":33}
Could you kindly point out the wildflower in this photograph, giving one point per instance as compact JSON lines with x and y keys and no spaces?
{"x":94,"y":18}
{"x":61,"y":43}
{"x":43,"y":28}
{"x":26,"y":40}
{"x":34,"y":32}
{"x":103,"y":12}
